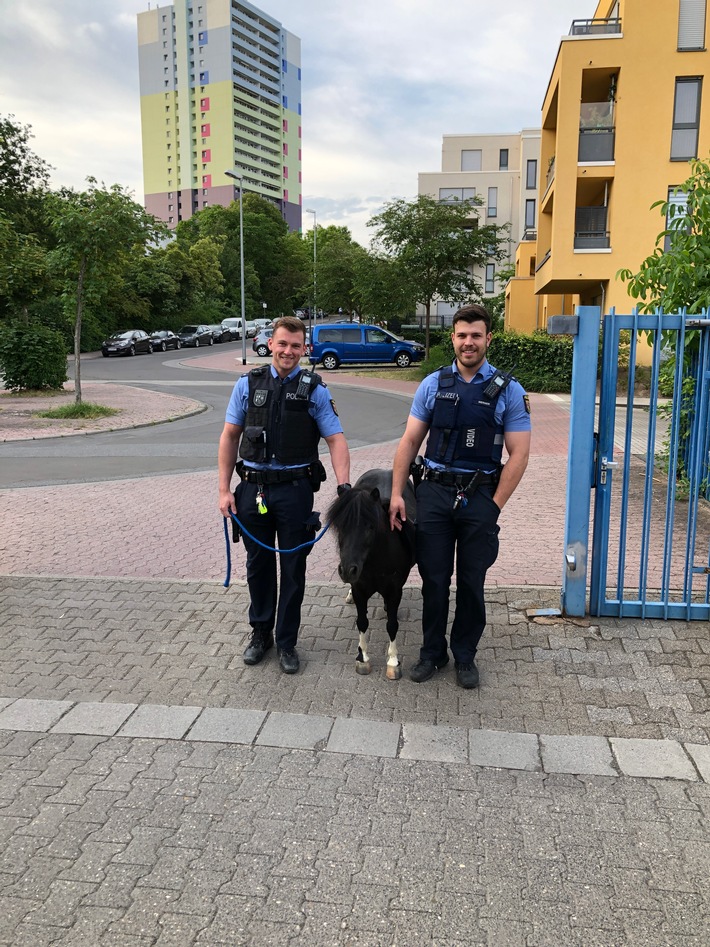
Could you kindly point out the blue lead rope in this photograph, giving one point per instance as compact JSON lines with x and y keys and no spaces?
{"x":246,"y":532}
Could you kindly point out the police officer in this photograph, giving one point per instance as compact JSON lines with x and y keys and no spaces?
{"x":470,"y":411}
{"x":275,"y":418}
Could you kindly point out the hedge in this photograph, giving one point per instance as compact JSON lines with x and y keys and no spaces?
{"x":32,"y":357}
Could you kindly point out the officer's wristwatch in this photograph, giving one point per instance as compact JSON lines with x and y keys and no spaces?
{"x":343,"y":488}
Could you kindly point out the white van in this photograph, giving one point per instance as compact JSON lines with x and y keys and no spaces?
{"x":234,"y":324}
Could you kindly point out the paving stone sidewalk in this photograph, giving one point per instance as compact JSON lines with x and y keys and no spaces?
{"x":155,"y":791}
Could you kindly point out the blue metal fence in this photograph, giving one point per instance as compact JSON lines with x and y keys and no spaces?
{"x":647,"y":467}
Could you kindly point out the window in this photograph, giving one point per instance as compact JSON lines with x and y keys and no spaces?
{"x":285,"y":147}
{"x":691,"y":24}
{"x":686,"y":119}
{"x":471,"y":160}
{"x":490,"y":277}
{"x":676,"y":214}
{"x":492,"y":202}
{"x":204,"y":130}
{"x":285,"y":101}
{"x":531,"y":175}
{"x":529,"y":214}
{"x":207,"y":181}
{"x":207,"y":154}
{"x":285,"y":171}
{"x":204,"y":105}
{"x":449,"y":194}
{"x":503,"y":159}
{"x":285,"y":124}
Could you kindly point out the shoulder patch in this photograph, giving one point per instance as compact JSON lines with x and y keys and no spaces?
{"x":526,"y":402}
{"x":335,"y":410}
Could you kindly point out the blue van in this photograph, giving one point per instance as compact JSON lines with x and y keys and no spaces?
{"x":343,"y":343}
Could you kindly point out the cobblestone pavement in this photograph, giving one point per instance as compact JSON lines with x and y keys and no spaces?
{"x":155,"y":791}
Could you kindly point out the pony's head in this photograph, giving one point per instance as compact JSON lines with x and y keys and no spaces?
{"x":357,"y":518}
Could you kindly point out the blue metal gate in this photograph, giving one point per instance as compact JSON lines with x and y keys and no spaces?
{"x":648,"y":470}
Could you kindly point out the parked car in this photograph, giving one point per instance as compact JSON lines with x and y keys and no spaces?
{"x":234,"y":324}
{"x":262,"y":324}
{"x":164,"y":339}
{"x":196,"y":335}
{"x":260,"y":343}
{"x":131,"y":342}
{"x":341,"y":343}
{"x":221,"y":333}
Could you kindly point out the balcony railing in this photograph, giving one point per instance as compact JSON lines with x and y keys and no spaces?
{"x":596,"y":131}
{"x":595,"y":27}
{"x":590,"y":231}
{"x":596,"y":144}
{"x":530,"y":233}
{"x":550,"y":171}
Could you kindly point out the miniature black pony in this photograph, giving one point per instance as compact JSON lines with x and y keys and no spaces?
{"x":374,"y":558}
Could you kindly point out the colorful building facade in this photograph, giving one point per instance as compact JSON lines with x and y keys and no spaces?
{"x":624,"y":113}
{"x":220,"y":86}
{"x":501,"y":169}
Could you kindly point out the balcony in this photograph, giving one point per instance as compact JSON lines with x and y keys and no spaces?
{"x":590,"y":231}
{"x":595,"y":27}
{"x":596,"y":132}
{"x":550,"y":172}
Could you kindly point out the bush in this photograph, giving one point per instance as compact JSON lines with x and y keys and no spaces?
{"x":32,"y":357}
{"x":540,"y":362}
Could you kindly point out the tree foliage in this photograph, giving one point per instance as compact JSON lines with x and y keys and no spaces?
{"x":678,"y":275}
{"x":438,"y":245}
{"x":98,"y":232}
{"x":24,"y":177}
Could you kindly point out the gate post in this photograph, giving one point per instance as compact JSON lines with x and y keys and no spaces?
{"x":584,"y":326}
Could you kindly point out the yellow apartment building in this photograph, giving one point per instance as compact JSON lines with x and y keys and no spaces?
{"x":623,"y":114}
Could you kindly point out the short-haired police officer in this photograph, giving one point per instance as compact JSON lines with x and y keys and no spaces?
{"x":275,"y":419}
{"x":470,"y":411}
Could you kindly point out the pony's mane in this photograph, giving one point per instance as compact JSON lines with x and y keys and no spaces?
{"x":354,"y":509}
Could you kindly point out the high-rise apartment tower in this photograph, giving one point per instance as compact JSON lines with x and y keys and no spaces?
{"x":220,"y":85}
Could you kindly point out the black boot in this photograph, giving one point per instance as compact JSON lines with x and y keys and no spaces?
{"x":260,"y":643}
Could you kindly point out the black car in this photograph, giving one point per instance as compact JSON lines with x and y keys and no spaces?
{"x":164,"y":339}
{"x":221,"y":333}
{"x":196,"y":335}
{"x":131,"y":342}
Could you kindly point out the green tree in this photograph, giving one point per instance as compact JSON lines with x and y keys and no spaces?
{"x":98,"y":232}
{"x":678,"y":275}
{"x":438,"y":245}
{"x":273,"y":267}
{"x":337,"y":255}
{"x":24,"y":178}
{"x":23,"y":269}
{"x":381,"y":287}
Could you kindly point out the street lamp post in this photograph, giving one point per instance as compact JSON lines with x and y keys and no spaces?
{"x":238,"y":179}
{"x":315,"y":257}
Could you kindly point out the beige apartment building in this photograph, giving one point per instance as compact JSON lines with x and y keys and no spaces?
{"x":503,"y":170}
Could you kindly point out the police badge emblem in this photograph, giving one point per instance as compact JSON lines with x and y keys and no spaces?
{"x":260,"y":397}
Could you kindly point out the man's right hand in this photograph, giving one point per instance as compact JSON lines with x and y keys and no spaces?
{"x":227,"y":504}
{"x":398,"y":512}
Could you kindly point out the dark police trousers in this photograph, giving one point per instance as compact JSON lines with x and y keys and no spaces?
{"x":289,"y":506}
{"x":471,"y":530}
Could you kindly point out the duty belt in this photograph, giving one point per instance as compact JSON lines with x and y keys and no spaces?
{"x":266,"y":477}
{"x":447,"y":478}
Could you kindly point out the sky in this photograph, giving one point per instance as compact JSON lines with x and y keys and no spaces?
{"x":382,"y":82}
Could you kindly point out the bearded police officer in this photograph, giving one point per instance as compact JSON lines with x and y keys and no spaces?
{"x":275,"y":418}
{"x":470,"y":411}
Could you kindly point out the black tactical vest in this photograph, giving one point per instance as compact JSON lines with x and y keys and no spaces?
{"x":464,"y":433}
{"x":278,"y":425}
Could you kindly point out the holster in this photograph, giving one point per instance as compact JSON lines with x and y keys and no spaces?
{"x":318,"y":475}
{"x":416,"y":470}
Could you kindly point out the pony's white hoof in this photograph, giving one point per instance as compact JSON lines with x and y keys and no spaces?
{"x":394,"y":672}
{"x":363,"y":667}
{"x":349,"y":598}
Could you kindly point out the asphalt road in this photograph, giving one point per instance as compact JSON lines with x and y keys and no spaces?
{"x":185,"y":446}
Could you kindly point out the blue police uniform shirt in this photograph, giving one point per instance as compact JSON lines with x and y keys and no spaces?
{"x":510,"y":410}
{"x":320,"y":409}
